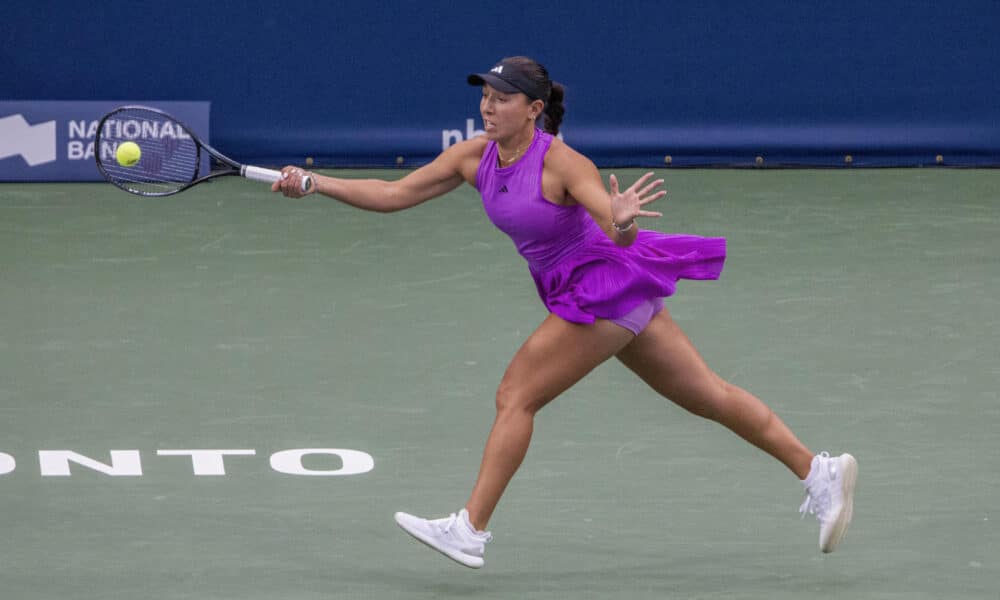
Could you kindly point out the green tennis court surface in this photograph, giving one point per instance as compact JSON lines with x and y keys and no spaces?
{"x":861,"y":305}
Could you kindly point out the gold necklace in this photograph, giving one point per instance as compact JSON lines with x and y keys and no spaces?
{"x":512,"y":158}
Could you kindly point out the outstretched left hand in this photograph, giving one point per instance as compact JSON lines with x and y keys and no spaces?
{"x":627,"y":205}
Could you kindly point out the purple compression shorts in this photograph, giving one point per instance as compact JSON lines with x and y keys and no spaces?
{"x":640,"y":316}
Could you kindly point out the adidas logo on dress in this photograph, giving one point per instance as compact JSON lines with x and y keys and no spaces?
{"x":503,"y":188}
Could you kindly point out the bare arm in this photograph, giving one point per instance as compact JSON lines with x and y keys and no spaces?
{"x":583,"y":183}
{"x":445,"y":173}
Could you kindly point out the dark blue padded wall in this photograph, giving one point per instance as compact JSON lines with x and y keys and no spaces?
{"x":362,"y":83}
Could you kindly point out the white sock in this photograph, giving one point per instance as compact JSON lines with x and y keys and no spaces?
{"x":468,"y":523}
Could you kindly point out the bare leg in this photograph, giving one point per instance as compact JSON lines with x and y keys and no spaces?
{"x":554,"y":357}
{"x":664,"y":357}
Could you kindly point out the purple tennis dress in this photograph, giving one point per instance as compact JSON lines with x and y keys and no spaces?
{"x":580,"y":273}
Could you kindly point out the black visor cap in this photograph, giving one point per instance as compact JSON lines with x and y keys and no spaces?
{"x":509,"y":78}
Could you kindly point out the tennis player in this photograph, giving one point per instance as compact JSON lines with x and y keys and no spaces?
{"x":603,"y":280}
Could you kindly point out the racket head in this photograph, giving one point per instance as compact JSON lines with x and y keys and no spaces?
{"x":170,"y":154}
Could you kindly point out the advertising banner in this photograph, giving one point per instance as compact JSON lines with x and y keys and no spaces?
{"x":54,"y":140}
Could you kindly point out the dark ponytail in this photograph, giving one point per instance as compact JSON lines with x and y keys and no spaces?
{"x":554,"y":109}
{"x":543,"y":88}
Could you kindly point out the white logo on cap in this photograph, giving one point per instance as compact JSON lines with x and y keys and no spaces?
{"x":498,"y":69}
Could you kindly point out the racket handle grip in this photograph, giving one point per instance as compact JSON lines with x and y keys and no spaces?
{"x":270,"y":176}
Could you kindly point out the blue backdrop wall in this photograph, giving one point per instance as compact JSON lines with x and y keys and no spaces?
{"x":362,"y":83}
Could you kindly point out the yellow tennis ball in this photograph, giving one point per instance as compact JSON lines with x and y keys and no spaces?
{"x":128,"y":154}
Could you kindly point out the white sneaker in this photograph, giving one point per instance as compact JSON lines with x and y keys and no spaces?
{"x":830,"y":496}
{"x":453,"y":536}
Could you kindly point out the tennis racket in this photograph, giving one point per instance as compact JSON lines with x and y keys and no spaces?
{"x":171,"y":157}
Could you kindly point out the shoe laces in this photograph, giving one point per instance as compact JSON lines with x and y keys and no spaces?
{"x":818,"y":496}
{"x":449,"y":522}
{"x":816,"y":504}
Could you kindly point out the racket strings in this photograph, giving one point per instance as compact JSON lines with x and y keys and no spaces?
{"x":168,"y":153}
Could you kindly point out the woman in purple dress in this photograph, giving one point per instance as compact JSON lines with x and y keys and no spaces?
{"x":603,"y":281}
